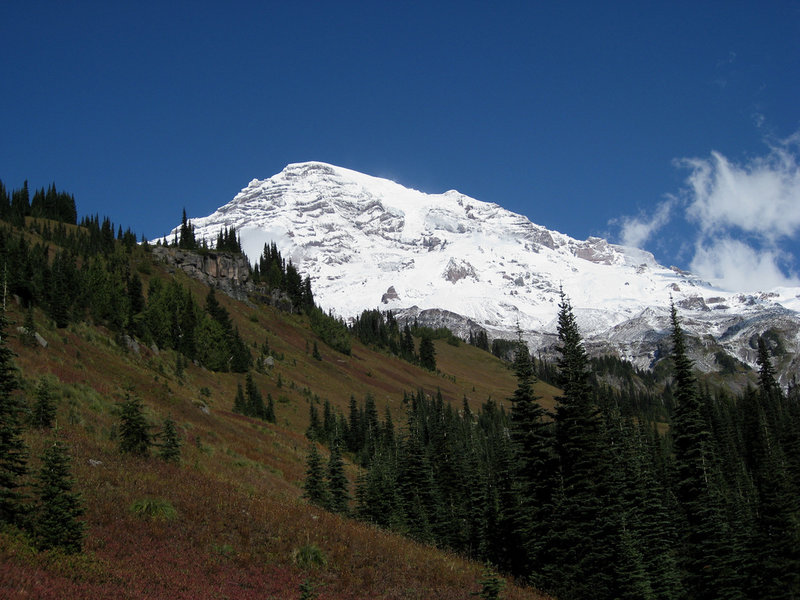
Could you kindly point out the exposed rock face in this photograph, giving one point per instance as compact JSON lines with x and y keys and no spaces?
{"x":458,"y":269}
{"x":436,"y":318}
{"x":391,"y":294}
{"x":223,"y":270}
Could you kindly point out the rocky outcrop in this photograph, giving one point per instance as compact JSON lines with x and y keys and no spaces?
{"x":391,"y":294}
{"x":226,"y":271}
{"x":458,"y":269}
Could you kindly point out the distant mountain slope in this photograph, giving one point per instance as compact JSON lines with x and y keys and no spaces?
{"x":368,"y":242}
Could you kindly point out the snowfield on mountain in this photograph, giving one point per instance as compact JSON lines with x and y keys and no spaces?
{"x":448,"y":259}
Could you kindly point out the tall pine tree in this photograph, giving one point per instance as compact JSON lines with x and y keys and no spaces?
{"x":56,"y":523}
{"x":13,"y":452}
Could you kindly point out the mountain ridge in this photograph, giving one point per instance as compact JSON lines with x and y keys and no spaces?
{"x":368,"y":242}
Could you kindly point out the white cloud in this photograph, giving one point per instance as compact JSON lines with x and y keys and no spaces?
{"x":743,"y":213}
{"x":757,"y":201}
{"x":734,"y":265}
{"x":761,"y":197}
{"x":635,"y":231}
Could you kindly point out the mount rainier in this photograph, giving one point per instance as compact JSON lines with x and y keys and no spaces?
{"x":448,"y":259}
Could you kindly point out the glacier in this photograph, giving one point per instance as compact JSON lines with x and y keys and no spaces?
{"x":358,"y":237}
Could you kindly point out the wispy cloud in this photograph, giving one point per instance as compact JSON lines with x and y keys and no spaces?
{"x":743,"y":214}
{"x":761,"y":197}
{"x":636,"y":231}
{"x":735,"y":265}
{"x":757,"y":201}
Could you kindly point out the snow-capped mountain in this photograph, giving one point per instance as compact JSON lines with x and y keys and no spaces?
{"x":368,"y":242}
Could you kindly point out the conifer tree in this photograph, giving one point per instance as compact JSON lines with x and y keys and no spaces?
{"x":269,"y":415}
{"x":491,"y":584}
{"x":13,"y":453}
{"x":533,"y":468}
{"x":338,"y":486}
{"x":187,"y":240}
{"x":134,"y":431}
{"x":255,"y":402}
{"x":707,"y":556}
{"x":315,"y":489}
{"x":581,"y":539}
{"x":314,"y":430}
{"x":377,"y":499}
{"x":170,"y":446}
{"x":44,"y":409}
{"x":239,"y":403}
{"x":427,"y":353}
{"x":56,"y":523}
{"x":407,"y":351}
{"x":775,"y":547}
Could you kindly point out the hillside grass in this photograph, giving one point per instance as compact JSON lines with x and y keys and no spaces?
{"x":232,"y":522}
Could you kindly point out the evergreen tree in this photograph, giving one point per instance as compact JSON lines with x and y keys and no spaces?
{"x":315,"y":489}
{"x":186,"y":240}
{"x":170,"y":446}
{"x":56,"y":523}
{"x":44,"y":409}
{"x":579,"y":546}
{"x":708,"y":560}
{"x":427,"y":353}
{"x":407,"y":351}
{"x":255,"y":402}
{"x":338,"y":494}
{"x":525,"y":509}
{"x":491,"y":584}
{"x":13,"y":453}
{"x":239,"y":403}
{"x":134,"y":431}
{"x":775,"y":544}
{"x":269,"y":416}
{"x":377,"y":500}
{"x":314,"y":431}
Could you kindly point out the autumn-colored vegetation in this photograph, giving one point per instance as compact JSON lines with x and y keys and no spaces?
{"x":228,"y":520}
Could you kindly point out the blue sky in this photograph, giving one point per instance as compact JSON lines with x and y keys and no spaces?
{"x":672,"y":125}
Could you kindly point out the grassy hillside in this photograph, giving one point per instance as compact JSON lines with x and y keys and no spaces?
{"x":229,"y":520}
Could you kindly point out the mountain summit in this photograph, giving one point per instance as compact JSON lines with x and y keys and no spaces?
{"x":449,"y":259}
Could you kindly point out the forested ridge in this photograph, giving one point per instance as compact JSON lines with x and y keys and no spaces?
{"x":665,"y":491}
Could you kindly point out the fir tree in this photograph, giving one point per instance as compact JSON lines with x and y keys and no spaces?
{"x":314,"y":430}
{"x":56,"y":523}
{"x":239,"y":403}
{"x":427,"y":353}
{"x":187,"y":240}
{"x":580,"y":543}
{"x":407,"y":351}
{"x":315,"y":489}
{"x":532,"y":470}
{"x":170,"y":446}
{"x":269,"y":416}
{"x":13,"y":453}
{"x":44,"y":409}
{"x":338,"y":494}
{"x":377,"y":500}
{"x":491,"y":584}
{"x":134,"y":431}
{"x":707,"y":555}
{"x":255,"y":402}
